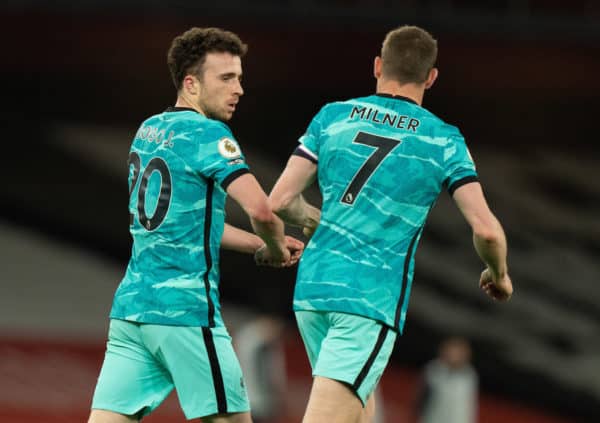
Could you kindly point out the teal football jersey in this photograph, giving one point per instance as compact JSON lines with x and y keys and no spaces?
{"x":180,"y":165}
{"x":382,"y":162}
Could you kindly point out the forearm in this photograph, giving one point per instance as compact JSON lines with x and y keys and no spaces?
{"x":265,"y":224}
{"x":286,"y":198}
{"x":491,"y":247}
{"x":236,"y":239}
{"x":271,"y":231}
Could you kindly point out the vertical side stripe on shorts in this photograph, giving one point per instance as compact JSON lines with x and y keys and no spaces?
{"x":215,"y":369}
{"x":207,"y":256}
{"x":365,"y":370}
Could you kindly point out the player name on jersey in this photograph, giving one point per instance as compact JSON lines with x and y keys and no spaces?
{"x":390,"y":119}
{"x":153,"y":134}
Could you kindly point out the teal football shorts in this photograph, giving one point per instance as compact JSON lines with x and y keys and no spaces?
{"x":144,"y":362}
{"x":348,"y":348}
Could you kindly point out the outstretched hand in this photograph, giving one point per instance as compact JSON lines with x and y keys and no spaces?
{"x":500,"y":290}
{"x":311,"y":224}
{"x":293,"y":250}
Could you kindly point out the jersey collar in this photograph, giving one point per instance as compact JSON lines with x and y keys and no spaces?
{"x":180,"y":109}
{"x":398,"y":97}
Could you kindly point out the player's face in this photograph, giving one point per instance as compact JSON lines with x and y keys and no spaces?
{"x":220,"y":85}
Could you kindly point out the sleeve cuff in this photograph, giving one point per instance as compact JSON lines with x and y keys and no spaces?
{"x":460,"y":182}
{"x":303,"y":152}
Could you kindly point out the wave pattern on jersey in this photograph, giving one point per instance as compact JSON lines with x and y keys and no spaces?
{"x":382,"y":162}
{"x":183,"y":159}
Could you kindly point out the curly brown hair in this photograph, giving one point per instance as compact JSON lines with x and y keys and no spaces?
{"x":188,"y":50}
{"x":408,"y":54}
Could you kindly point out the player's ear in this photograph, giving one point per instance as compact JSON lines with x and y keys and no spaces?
{"x":190,"y":84}
{"x":377,"y":67}
{"x":433,"y":74}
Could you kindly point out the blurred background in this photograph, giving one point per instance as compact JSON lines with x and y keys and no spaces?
{"x":520,"y":78}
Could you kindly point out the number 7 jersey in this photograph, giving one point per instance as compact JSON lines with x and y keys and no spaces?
{"x":382,"y":162}
{"x":180,"y":165}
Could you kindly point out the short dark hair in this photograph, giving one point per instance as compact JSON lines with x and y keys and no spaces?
{"x":408,"y":54}
{"x":188,"y":50}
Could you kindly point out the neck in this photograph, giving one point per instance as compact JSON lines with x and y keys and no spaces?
{"x":411,"y":90}
{"x":183,"y":101}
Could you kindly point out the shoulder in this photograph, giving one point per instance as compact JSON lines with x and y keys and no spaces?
{"x":332,"y":110}
{"x":434,"y":119}
{"x":441,"y":129}
{"x":202,"y":122}
{"x":207,"y":130}
{"x":433,"y":369}
{"x":452,"y":133}
{"x":215,"y":129}
{"x":433,"y":366}
{"x":217,"y":125}
{"x":471,"y":372}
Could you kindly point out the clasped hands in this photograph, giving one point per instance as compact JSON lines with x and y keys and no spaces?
{"x":264,"y":256}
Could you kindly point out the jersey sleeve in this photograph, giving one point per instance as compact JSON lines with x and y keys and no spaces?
{"x":459,"y":165}
{"x":310,"y":141}
{"x":220,"y":157}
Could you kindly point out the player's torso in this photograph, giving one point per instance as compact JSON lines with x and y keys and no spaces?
{"x":176,"y":222}
{"x":168,"y":196}
{"x":380,"y":169}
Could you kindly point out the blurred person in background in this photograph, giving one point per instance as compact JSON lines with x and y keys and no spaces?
{"x":381,"y":161}
{"x":449,"y":393}
{"x":259,"y":344}
{"x":166,"y":329}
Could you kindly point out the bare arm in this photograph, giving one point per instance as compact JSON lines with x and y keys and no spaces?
{"x":286,"y":197}
{"x":246,"y":191}
{"x":488,"y":238}
{"x":236,"y":239}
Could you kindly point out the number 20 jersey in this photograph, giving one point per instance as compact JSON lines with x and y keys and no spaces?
{"x":180,"y":164}
{"x":382,"y":162}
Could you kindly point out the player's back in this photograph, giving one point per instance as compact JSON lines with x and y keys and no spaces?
{"x":382,"y":162}
{"x":176,"y":221}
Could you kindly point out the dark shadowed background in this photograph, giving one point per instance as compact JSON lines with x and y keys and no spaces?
{"x":518,"y":77}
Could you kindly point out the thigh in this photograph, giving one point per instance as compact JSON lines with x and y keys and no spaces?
{"x":205,"y":371}
{"x":103,"y":416}
{"x":331,"y":401}
{"x":354,"y":351}
{"x":131,"y":382}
